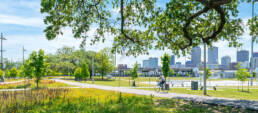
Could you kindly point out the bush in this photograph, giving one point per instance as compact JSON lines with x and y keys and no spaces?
{"x":77,"y":74}
{"x":13,"y":72}
{"x":1,"y":74}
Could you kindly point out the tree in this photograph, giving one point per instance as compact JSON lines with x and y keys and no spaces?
{"x":7,"y":73}
{"x":1,"y":74}
{"x":165,"y":65}
{"x":84,"y":70}
{"x":253,"y":27}
{"x":28,"y":69}
{"x":242,"y":74}
{"x":209,"y":74}
{"x":182,"y":24}
{"x":134,"y":73}
{"x":78,"y":74}
{"x":39,"y":65}
{"x":13,"y":72}
{"x":171,"y":71}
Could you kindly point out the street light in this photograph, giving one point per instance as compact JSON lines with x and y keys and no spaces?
{"x":252,"y":44}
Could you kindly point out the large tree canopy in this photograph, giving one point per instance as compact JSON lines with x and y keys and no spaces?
{"x":144,"y":25}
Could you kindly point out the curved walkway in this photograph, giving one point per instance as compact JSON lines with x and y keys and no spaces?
{"x":11,"y":82}
{"x":246,"y":104}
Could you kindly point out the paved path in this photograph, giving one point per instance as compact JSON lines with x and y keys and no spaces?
{"x":253,"y":105}
{"x":11,"y":82}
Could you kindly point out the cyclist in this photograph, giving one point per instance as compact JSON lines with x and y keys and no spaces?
{"x":162,"y":81}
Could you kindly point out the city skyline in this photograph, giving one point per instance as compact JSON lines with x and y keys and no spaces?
{"x":22,"y":25}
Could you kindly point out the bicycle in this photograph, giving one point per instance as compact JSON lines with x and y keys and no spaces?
{"x":158,"y":87}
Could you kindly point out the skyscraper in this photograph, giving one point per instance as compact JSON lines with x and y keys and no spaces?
{"x":242,"y":56}
{"x":145,"y":64}
{"x":225,"y":62}
{"x":153,"y":62}
{"x":196,"y":56}
{"x":213,"y":55}
{"x":172,"y":60}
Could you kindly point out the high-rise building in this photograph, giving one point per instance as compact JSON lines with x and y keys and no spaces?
{"x":196,"y":56}
{"x":213,"y":55}
{"x":255,"y":54}
{"x":153,"y":62}
{"x":242,"y":56}
{"x":145,"y":64}
{"x":255,"y":62}
{"x":225,"y":62}
{"x":172,"y":60}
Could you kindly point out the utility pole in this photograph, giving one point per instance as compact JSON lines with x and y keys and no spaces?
{"x":2,"y":38}
{"x":23,"y":50}
{"x":205,"y":73}
{"x":252,"y":45}
{"x":93,"y":69}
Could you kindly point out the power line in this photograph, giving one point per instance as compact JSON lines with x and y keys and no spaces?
{"x":2,"y":38}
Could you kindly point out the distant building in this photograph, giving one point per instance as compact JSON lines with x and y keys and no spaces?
{"x":233,"y":65}
{"x":196,"y":56}
{"x":213,"y":55}
{"x":188,"y":64}
{"x":122,"y":66}
{"x":255,"y":54}
{"x":152,"y":62}
{"x":225,"y":62}
{"x":242,"y":56}
{"x":255,"y":62}
{"x":145,"y":64}
{"x":178,"y":63}
{"x":172,"y":60}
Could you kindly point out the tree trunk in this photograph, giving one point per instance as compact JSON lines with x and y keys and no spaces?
{"x":205,"y":73}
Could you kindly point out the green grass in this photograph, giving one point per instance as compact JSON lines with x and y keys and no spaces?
{"x":31,"y":84}
{"x":85,"y":100}
{"x":221,"y":92}
{"x":12,"y":79}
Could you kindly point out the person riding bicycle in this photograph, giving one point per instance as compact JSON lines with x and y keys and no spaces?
{"x":162,"y":81}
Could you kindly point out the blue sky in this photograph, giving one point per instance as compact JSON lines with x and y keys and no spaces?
{"x":22,"y":25}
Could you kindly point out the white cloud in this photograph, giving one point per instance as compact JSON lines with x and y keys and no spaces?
{"x":29,"y":21}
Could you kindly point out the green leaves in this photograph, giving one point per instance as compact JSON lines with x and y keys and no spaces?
{"x":134,"y":73}
{"x":143,"y":25}
{"x":253,"y":27}
{"x":165,"y":65}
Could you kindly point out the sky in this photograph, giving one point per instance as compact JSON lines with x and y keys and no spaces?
{"x":22,"y":25}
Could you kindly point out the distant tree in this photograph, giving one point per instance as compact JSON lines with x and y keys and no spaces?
{"x":171,"y":71}
{"x":77,"y":73}
{"x":242,"y":74}
{"x":208,"y":73}
{"x":1,"y":74}
{"x":178,"y":74}
{"x":13,"y":72}
{"x":165,"y":65}
{"x":134,"y":73}
{"x":39,"y":65}
{"x":85,"y":70}
{"x":7,"y":73}
{"x":28,"y":69}
{"x":254,"y":74}
{"x":188,"y":74}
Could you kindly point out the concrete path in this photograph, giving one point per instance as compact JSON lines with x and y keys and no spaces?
{"x":246,"y":104}
{"x":11,"y":82}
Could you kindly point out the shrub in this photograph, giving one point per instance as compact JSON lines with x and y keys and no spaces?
{"x":77,"y":73}
{"x":13,"y":72}
{"x":1,"y":74}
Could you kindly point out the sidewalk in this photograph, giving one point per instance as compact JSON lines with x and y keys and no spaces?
{"x":246,"y":104}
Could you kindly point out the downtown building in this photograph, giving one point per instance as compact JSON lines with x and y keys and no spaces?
{"x":172,"y":60}
{"x":213,"y":62}
{"x":152,"y":62}
{"x":255,"y":57}
{"x":196,"y":56}
{"x":242,"y":56}
{"x":225,"y":62}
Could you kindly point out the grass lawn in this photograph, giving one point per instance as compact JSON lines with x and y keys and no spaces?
{"x":31,"y":84}
{"x":225,"y":92}
{"x":86,"y":100}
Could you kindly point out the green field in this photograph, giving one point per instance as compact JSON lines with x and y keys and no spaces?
{"x":223,"y":92}
{"x":98,"y":101}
